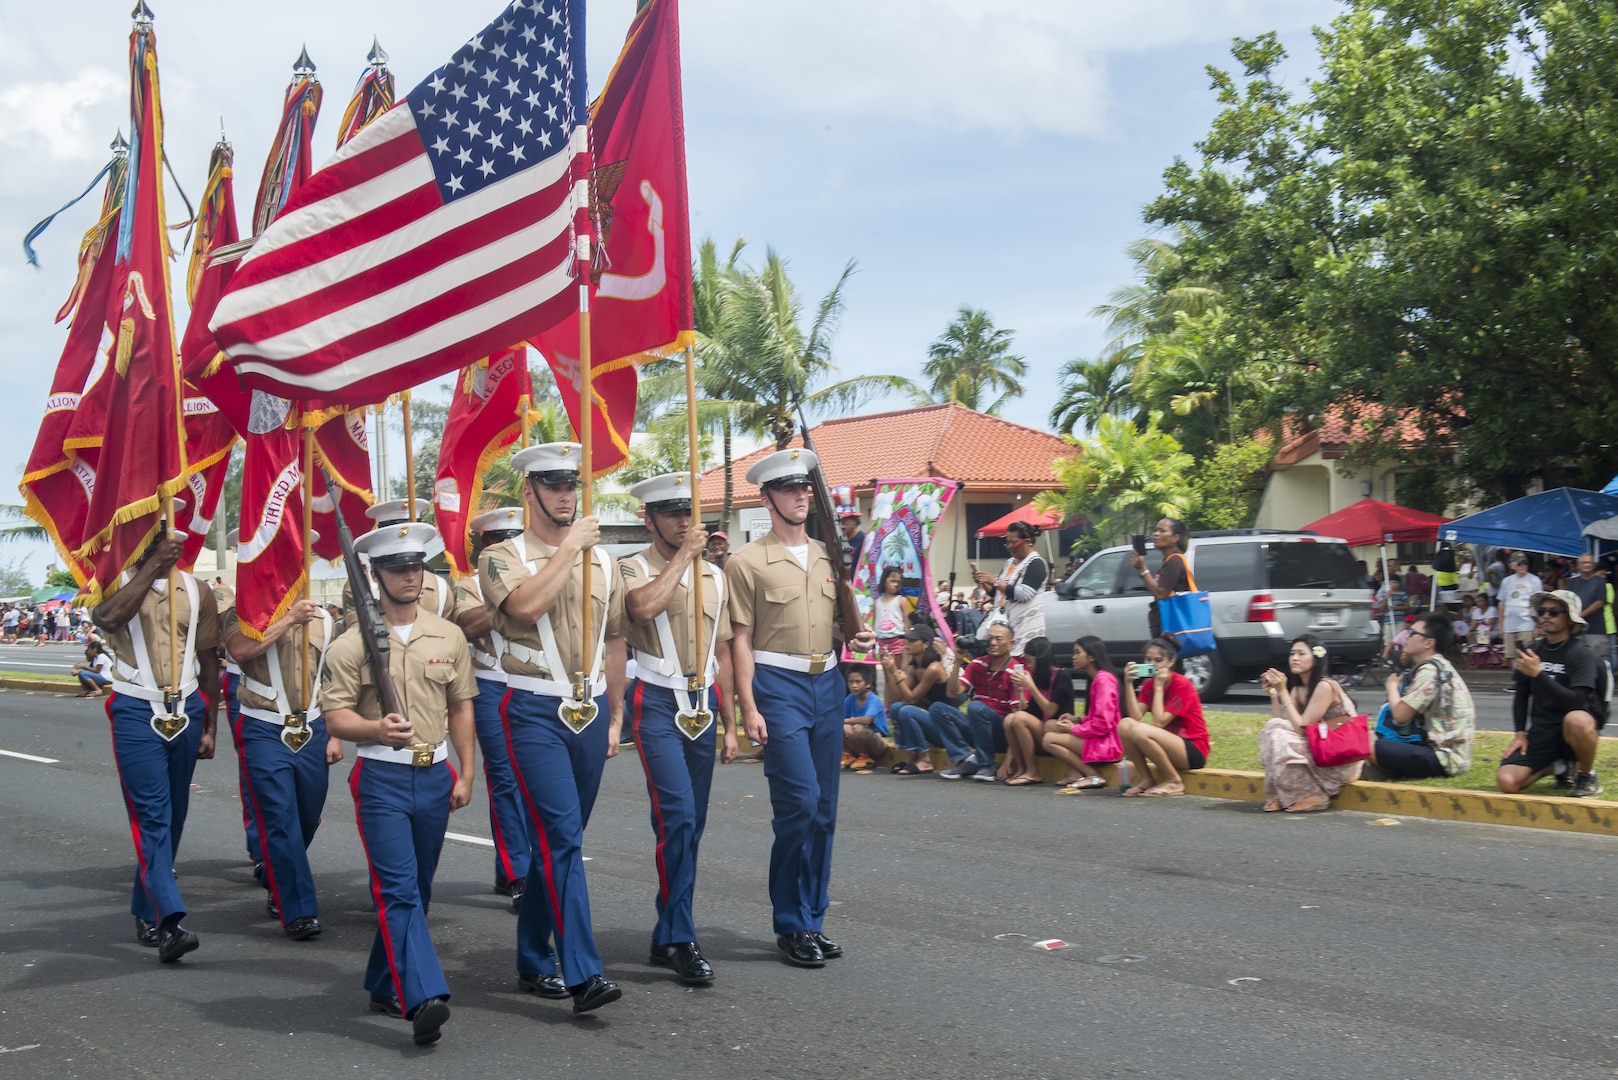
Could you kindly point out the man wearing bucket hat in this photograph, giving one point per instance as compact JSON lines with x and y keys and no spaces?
{"x":162,"y":723}
{"x":672,"y":704}
{"x":560,"y":685}
{"x":403,"y":786}
{"x":1557,"y":712}
{"x":783,"y":603}
{"x":508,"y":821}
{"x":436,"y":597}
{"x":285,"y":752}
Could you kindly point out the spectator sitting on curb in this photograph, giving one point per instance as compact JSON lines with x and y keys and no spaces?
{"x":916,"y":682}
{"x":1176,"y":740}
{"x":1558,"y":712}
{"x":865,"y":721}
{"x":1429,"y":721}
{"x":95,"y":672}
{"x":1025,"y":728}
{"x":994,"y":697}
{"x":1084,"y":744}
{"x":1304,"y":696}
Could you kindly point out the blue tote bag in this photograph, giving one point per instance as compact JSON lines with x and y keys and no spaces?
{"x":1187,"y":617}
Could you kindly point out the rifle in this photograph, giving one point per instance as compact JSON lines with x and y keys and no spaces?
{"x":373,"y":631}
{"x":848,"y":608}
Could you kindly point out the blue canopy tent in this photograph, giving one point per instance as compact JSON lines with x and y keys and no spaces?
{"x":1611,"y":488}
{"x":1552,"y":522}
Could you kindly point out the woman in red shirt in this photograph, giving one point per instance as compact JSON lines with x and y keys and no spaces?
{"x":1177,"y":739}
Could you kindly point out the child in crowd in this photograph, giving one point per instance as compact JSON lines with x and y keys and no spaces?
{"x":865,"y":723}
{"x":95,"y":672}
{"x":1094,"y":740}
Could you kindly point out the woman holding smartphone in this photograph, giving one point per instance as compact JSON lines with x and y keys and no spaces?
{"x":1019,"y":585}
{"x":1176,"y":740}
{"x":1025,"y":728}
{"x":1172,"y":538}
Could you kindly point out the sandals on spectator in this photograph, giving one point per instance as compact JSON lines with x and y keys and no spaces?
{"x":1136,"y":791}
{"x":1024,"y":781}
{"x":1089,"y":783}
{"x":1162,"y":790}
{"x":1271,"y":806}
{"x":1309,"y":803}
{"x":904,"y":768}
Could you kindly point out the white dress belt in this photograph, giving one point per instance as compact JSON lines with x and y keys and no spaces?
{"x":405,"y":756}
{"x":658,"y":678}
{"x":279,"y":721}
{"x":812,"y":665}
{"x":552,"y":688}
{"x":496,"y":675}
{"x":129,"y":689}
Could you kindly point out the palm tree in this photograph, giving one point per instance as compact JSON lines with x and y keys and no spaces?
{"x":15,"y":525}
{"x":1092,"y":389}
{"x":1124,"y":478}
{"x":971,"y":361}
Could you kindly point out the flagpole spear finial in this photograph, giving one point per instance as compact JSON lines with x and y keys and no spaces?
{"x":119,"y":144}
{"x":224,"y":141}
{"x":302,"y":65}
{"x":378,"y":57}
{"x":142,"y":15}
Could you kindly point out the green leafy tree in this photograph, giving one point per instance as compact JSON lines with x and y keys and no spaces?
{"x":14,"y":579}
{"x":1428,"y":230}
{"x":1092,"y":389}
{"x":1123,"y":479}
{"x":15,"y":525}
{"x":971,"y":363}
{"x":1230,"y":484}
{"x":55,"y":577}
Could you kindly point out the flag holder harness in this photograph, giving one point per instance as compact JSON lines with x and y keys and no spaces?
{"x":666,"y":671}
{"x":578,"y":708}
{"x":169,"y":718}
{"x":293,"y":723}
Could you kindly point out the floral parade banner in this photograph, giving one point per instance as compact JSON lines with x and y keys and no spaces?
{"x":904,"y":514}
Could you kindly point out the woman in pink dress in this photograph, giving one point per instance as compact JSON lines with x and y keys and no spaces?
{"x":1303,"y":696}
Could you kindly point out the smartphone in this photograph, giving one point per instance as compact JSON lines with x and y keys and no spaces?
{"x":1138,"y":542}
{"x":974,"y":566}
{"x":1145,"y":671}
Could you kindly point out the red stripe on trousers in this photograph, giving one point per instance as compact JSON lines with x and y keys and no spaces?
{"x":539,"y":826}
{"x":129,"y":805}
{"x":651,"y":789}
{"x":376,"y":882}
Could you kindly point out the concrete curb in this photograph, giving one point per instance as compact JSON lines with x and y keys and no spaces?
{"x":1556,"y":812}
{"x":39,"y":686}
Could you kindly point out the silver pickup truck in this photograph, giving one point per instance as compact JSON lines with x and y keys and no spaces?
{"x":1266,"y":588}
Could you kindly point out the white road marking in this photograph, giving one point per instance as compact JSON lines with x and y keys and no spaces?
{"x":31,"y":757}
{"x":466,"y":839}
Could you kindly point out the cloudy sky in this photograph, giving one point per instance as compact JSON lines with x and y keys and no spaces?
{"x":993,"y":154}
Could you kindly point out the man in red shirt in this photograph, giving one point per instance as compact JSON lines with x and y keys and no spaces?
{"x":994,"y":696}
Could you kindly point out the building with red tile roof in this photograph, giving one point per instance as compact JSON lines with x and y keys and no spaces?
{"x":1001,"y":465}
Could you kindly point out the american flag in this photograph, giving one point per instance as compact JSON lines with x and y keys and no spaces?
{"x":440,"y":234}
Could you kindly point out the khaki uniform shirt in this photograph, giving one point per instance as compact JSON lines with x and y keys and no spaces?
{"x":469,"y":594}
{"x":289,"y":648}
{"x":791,"y":610}
{"x":432,"y":670}
{"x":154,"y":626}
{"x":501,"y":569}
{"x":643,"y":636}
{"x":433,"y":592}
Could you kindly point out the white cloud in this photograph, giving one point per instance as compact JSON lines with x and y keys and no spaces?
{"x":55,"y":116}
{"x":1015,"y":67}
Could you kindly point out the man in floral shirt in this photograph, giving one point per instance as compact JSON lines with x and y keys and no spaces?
{"x":1430,"y":705}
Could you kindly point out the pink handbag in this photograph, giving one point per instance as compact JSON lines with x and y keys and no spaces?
{"x":1342,"y":745}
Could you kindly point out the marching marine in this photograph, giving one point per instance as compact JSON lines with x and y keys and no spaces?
{"x":533,"y":586}
{"x":161,"y":725}
{"x":783,"y":600}
{"x":436,"y":597}
{"x":403,"y":786}
{"x":508,"y":821}
{"x":672,"y":704}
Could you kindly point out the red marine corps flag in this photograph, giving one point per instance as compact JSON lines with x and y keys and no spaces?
{"x":58,"y":481}
{"x":437,"y":236}
{"x":484,"y":418}
{"x":142,"y":457}
{"x":641,"y":303}
{"x":269,"y":552}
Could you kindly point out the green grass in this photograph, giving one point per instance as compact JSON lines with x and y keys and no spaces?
{"x":40,"y":676}
{"x":1234,"y":742}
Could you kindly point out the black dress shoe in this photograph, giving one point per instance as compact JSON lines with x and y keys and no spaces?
{"x":502,"y":887}
{"x":387,"y":1005}
{"x":303,"y":928}
{"x":515,"y":889}
{"x":271,"y":908}
{"x":258,"y":872}
{"x":800,"y":949}
{"x":828,"y":948}
{"x":691,"y":968}
{"x":174,"y":942}
{"x":145,"y":933}
{"x":427,"y":1019}
{"x":546,"y":986}
{"x":658,"y":956}
{"x":595,"y":992}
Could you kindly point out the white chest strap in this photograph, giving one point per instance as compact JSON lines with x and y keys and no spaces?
{"x":671,"y":667}
{"x":278,"y":685}
{"x":495,"y":638}
{"x":142,"y":681}
{"x":547,"y":635}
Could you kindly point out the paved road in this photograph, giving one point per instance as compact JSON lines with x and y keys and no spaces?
{"x":1252,"y":945}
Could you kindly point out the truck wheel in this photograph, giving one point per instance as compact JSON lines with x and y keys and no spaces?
{"x":1208,"y":674}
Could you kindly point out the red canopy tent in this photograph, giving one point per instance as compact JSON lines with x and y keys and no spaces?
{"x":1027,"y":514}
{"x":1369,"y":522}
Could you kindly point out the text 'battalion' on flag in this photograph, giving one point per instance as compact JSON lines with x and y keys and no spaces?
{"x":438,"y":235}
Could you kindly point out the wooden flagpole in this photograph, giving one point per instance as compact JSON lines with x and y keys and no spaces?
{"x":308,"y":547}
{"x":586,"y":409}
{"x":696,"y":521}
{"x":410,"y":458}
{"x":175,"y":679}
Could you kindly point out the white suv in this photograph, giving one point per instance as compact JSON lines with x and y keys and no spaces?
{"x":1266,"y":587}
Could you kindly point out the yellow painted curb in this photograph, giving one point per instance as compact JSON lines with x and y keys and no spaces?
{"x":42,"y":686}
